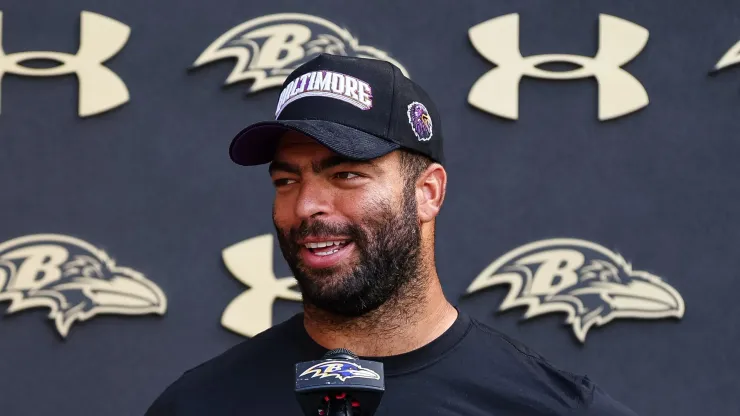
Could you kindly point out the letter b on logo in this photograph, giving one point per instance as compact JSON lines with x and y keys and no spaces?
{"x":497,"y":91}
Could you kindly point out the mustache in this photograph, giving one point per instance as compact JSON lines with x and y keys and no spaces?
{"x":321,"y":229}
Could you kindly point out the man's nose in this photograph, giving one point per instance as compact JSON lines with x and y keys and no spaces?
{"x":313,"y":199}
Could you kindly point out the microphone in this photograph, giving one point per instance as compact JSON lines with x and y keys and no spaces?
{"x":339,"y":384}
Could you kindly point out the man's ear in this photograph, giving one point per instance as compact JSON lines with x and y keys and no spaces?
{"x":430,"y":192}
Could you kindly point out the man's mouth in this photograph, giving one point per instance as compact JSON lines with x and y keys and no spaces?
{"x":325,"y":248}
{"x":325,"y":253}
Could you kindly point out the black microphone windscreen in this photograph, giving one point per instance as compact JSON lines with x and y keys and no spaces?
{"x":340,"y":353}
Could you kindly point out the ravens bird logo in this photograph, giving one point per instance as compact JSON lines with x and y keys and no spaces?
{"x":267,"y":49}
{"x":585,"y":280}
{"x":339,"y":369}
{"x":420,"y":120}
{"x":72,"y":278}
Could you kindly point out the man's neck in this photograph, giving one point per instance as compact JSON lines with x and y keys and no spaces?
{"x":398,"y":326}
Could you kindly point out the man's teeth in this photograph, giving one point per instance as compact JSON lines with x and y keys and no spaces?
{"x":330,"y":247}
{"x":324,"y":244}
{"x":325,"y":253}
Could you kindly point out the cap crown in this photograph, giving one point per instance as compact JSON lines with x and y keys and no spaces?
{"x":370,"y":95}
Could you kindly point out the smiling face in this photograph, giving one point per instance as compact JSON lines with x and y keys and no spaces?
{"x":348,"y":230}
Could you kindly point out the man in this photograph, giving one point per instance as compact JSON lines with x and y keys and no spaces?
{"x":356,"y":158}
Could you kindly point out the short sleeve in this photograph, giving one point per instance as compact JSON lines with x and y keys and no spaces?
{"x":165,"y":404}
{"x":602,"y":404}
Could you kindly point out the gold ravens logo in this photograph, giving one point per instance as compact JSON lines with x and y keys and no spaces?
{"x":590,"y":283}
{"x":269,"y":48}
{"x":75,"y":280}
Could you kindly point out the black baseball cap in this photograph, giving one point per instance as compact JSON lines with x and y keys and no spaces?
{"x":360,"y":108}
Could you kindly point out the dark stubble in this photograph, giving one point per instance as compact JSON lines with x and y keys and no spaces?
{"x":388,"y":242}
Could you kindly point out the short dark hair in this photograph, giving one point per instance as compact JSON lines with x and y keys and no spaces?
{"x":413,"y":164}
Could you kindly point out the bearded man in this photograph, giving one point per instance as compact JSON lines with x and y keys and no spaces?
{"x":355,"y":156}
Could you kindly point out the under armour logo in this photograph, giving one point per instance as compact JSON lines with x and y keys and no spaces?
{"x":497,"y":91}
{"x":250,"y":261}
{"x":730,"y":58}
{"x":100,"y":89}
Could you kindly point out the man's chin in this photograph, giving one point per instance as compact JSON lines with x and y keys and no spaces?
{"x":341,"y":306}
{"x":332,"y":293}
{"x":328,"y":282}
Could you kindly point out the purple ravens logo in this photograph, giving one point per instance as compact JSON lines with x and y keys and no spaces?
{"x":590,"y":283}
{"x":420,"y":120}
{"x":73,"y":279}
{"x":342,"y":370}
{"x":268,"y":48}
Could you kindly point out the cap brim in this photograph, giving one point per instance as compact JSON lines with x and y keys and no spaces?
{"x":256,"y":144}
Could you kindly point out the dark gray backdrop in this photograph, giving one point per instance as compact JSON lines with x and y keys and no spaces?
{"x":151,"y":183}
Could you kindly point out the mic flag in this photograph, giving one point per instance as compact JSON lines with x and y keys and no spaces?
{"x":339,"y":384}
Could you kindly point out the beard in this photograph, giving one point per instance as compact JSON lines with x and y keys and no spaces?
{"x":388,"y":244}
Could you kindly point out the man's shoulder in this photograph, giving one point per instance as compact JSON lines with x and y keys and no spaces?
{"x":247,"y":353}
{"x":231,"y":367}
{"x":526,"y":370}
{"x":522,"y":365}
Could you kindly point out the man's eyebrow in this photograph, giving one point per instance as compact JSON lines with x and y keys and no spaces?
{"x":337,"y":160}
{"x":277,"y":165}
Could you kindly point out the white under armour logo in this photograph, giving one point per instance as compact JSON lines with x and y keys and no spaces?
{"x":497,"y":91}
{"x":100,"y":89}
{"x":730,"y":58}
{"x":250,"y":261}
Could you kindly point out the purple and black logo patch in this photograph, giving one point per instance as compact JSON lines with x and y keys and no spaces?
{"x":420,"y":120}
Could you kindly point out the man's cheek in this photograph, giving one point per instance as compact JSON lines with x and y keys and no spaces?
{"x":281,"y":219}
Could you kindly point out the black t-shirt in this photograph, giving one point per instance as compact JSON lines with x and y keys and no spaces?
{"x":470,"y":370}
